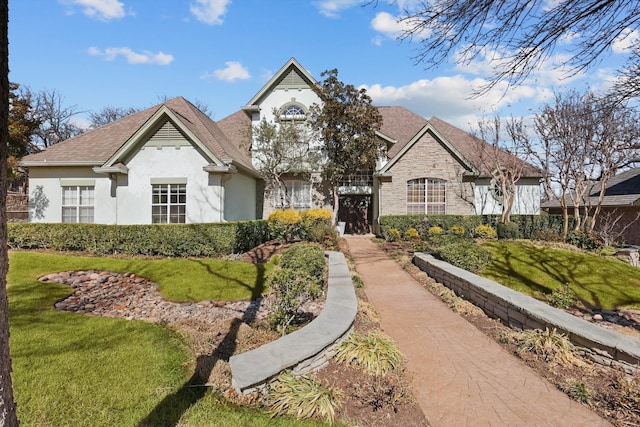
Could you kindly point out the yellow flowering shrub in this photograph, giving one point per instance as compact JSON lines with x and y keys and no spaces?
{"x":435,"y":230}
{"x":485,"y":231}
{"x":458,"y":230}
{"x":411,"y":234}
{"x":285,"y":224}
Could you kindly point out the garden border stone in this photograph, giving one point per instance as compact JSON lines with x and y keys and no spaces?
{"x":521,"y":311}
{"x":308,"y":348}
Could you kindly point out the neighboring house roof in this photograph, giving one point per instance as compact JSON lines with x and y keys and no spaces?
{"x":108,"y":145}
{"x":623,"y":189}
{"x":407,"y":127}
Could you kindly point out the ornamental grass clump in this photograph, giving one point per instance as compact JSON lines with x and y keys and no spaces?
{"x":302,"y":397}
{"x":550,"y":345}
{"x":375,"y":353}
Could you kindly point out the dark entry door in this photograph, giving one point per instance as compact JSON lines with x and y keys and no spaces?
{"x":356,"y":211}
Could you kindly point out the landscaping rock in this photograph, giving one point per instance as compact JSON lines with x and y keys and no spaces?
{"x":127,"y":296}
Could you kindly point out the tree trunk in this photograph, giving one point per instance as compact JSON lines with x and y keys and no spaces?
{"x":8,"y":416}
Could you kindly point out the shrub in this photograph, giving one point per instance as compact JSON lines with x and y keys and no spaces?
{"x":457,"y":230}
{"x":174,"y":240}
{"x":586,"y":241}
{"x":411,"y":234}
{"x":547,"y":235}
{"x":608,"y":251}
{"x":485,"y":231}
{"x":509,"y":230}
{"x":314,"y":216}
{"x":302,"y":397}
{"x":375,"y":353}
{"x":435,"y":231}
{"x":465,"y":254}
{"x":305,"y":258}
{"x":393,"y":235}
{"x":285,"y":225}
{"x":577,"y":390}
{"x":291,"y":289}
{"x":563,"y":297}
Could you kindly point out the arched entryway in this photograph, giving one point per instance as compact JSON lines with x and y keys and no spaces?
{"x":356,"y":211}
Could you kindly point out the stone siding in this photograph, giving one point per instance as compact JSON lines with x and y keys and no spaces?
{"x":523,"y":312}
{"x":426,"y":159}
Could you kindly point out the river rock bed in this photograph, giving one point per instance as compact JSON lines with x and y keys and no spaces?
{"x":128,"y":296}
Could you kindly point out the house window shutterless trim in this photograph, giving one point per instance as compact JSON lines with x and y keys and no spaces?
{"x":78,"y":203}
{"x":426,"y":196}
{"x":299,"y":193}
{"x":168,"y":203}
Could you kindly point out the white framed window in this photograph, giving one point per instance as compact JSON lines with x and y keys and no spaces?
{"x":298,"y":193}
{"x":426,"y":196}
{"x":168,"y":203}
{"x":293,"y":111}
{"x":78,"y":203}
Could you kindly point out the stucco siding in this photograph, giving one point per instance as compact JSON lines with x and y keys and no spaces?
{"x":45,"y":192}
{"x":527,"y":201}
{"x":204,"y":193}
{"x":427,"y":158}
{"x":240,"y":197}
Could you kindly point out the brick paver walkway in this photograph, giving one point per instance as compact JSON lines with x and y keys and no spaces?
{"x":461,"y":377}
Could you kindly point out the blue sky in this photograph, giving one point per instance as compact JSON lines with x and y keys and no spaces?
{"x":132,"y":53}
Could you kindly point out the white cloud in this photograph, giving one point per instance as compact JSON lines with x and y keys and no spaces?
{"x":450,"y":98}
{"x":209,"y":11}
{"x":145,"y":57}
{"x":103,"y":10}
{"x":625,"y":42}
{"x":332,"y":8}
{"x":392,"y":27}
{"x":232,"y":72}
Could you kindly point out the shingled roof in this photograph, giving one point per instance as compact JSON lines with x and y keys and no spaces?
{"x":98,"y":146}
{"x":403,"y":125}
{"x":623,"y":189}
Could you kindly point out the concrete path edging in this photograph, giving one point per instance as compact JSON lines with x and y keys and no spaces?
{"x":309,"y":348}
{"x":604,"y":346}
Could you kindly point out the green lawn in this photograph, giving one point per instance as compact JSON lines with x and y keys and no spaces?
{"x":598,"y":282}
{"x":77,"y":370}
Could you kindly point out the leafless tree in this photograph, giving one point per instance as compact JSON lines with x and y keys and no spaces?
{"x":585,"y":140}
{"x":616,"y":145}
{"x":612,"y":225}
{"x":109,"y":114}
{"x":521,"y":34}
{"x":501,"y":150}
{"x":8,"y":416}
{"x":56,"y":119}
{"x":564,"y":138}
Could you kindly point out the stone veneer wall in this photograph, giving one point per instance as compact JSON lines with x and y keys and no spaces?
{"x":523,"y":312}
{"x":426,"y":159}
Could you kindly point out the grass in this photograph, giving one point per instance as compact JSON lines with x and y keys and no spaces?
{"x":597,"y":282}
{"x":71,"y":369}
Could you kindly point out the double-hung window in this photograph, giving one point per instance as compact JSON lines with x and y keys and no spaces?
{"x":78,"y":203}
{"x":168,"y":203}
{"x":426,"y":196}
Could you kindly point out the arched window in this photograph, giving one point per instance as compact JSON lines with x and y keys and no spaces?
{"x":426,"y":196}
{"x":293,"y":112}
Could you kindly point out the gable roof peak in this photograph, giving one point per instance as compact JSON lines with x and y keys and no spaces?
{"x":291,"y":64}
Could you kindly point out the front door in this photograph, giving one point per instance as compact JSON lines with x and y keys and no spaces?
{"x":356,"y":211}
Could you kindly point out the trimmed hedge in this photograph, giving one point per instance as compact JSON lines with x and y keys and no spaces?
{"x":174,"y":240}
{"x":529,"y":226}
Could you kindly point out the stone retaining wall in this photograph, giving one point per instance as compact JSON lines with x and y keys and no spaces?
{"x":523,"y":312}
{"x":308,"y":348}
